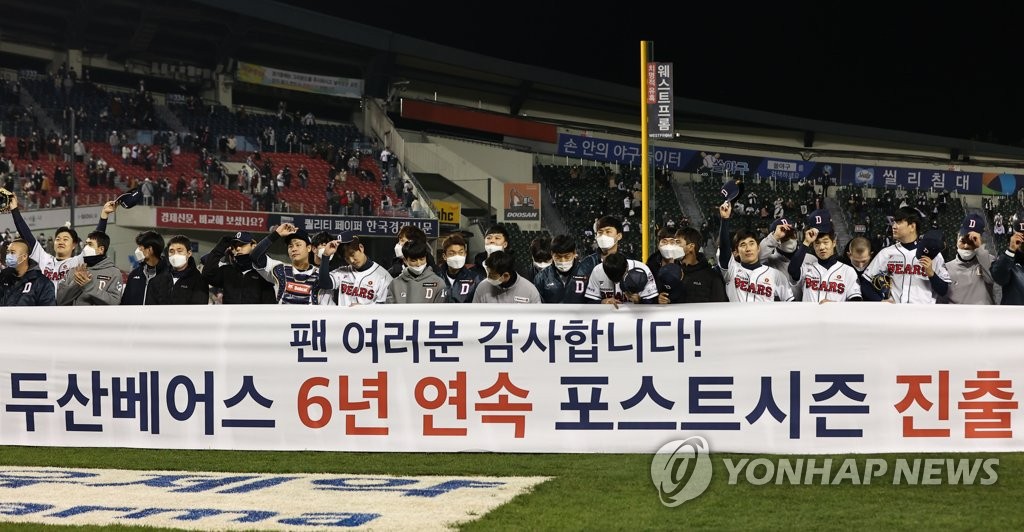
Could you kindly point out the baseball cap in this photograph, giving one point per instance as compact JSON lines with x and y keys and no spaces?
{"x":732,"y":190}
{"x":669,"y":277}
{"x":347,"y":237}
{"x":244,"y":237}
{"x":301,"y":234}
{"x":782,"y":221}
{"x":130,"y":199}
{"x":930,"y":244}
{"x":821,"y":220}
{"x":972,"y":223}
{"x":1018,"y":224}
{"x":634,"y":281}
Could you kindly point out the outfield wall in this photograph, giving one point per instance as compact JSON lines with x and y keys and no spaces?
{"x":784,"y":378}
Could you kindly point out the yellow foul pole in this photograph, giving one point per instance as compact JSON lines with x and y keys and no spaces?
{"x":645,"y":220}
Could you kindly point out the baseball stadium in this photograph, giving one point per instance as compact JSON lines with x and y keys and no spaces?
{"x":235,"y":155}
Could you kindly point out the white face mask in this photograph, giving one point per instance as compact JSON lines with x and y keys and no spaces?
{"x":140,"y":255}
{"x":456,"y":261}
{"x":967,"y":254}
{"x":605,"y":241}
{"x":491,"y":248}
{"x":416,"y":270}
{"x":671,"y":251}
{"x":320,"y":253}
{"x":177,"y":261}
{"x":564,"y":266}
{"x":495,"y":282}
{"x":398,"y":250}
{"x":88,"y":251}
{"x":541,"y":265}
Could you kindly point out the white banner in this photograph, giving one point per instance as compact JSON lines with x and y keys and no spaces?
{"x":86,"y":219}
{"x":782,"y":378}
{"x":299,"y":81}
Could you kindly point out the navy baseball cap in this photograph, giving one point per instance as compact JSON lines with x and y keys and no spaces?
{"x":821,"y":220}
{"x":930,"y":245}
{"x":244,"y":237}
{"x":301,"y":234}
{"x":669,"y":277}
{"x":781,"y":221}
{"x":130,"y":199}
{"x":973,"y":223}
{"x":732,"y":190}
{"x":347,"y":237}
{"x":634,"y":281}
{"x":1018,"y":224}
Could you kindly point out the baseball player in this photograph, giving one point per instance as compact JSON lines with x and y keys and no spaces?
{"x":460,"y":278}
{"x":608,"y":283}
{"x":746,"y":279}
{"x":361,"y":281}
{"x":825,"y":279}
{"x":917,"y":277}
{"x":56,"y":267}
{"x":417,"y":283}
{"x":970,"y":271}
{"x":1008,"y":269}
{"x":295,"y":283}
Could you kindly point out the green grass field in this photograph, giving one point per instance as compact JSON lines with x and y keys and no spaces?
{"x":614,"y":492}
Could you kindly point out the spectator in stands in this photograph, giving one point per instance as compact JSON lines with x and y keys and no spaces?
{"x":181,"y":284}
{"x":96,"y":281}
{"x":503,"y":284}
{"x":461,"y":278}
{"x":1008,"y":269}
{"x":148,"y":254}
{"x":562,"y":281}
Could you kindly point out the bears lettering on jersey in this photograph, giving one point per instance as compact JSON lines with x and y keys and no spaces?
{"x":899,"y":268}
{"x":824,"y":286}
{"x":352,"y":290}
{"x":761,"y":289}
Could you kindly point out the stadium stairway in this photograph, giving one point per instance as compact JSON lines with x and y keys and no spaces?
{"x":688,"y":201}
{"x":42,"y":119}
{"x":843,"y":233}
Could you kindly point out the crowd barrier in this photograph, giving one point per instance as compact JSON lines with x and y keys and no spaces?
{"x":768,"y":378}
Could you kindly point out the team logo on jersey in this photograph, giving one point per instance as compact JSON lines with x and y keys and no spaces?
{"x":298,"y":288}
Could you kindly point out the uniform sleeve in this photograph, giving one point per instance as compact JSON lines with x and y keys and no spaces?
{"x":382,"y":295}
{"x":259,"y":253}
{"x":1002,"y":268}
{"x":766,"y":247}
{"x":213,"y":268}
{"x":24,"y":231}
{"x":783,"y":288}
{"x":724,"y":244}
{"x":876,"y":266}
{"x":940,"y":281}
{"x":796,"y":264}
{"x":324,"y":280}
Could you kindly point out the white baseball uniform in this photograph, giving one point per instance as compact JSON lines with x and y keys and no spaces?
{"x":910,"y":284}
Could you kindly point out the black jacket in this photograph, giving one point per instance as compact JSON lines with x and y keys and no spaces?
{"x":242,"y":284}
{"x":191,"y":288}
{"x":702,"y":283}
{"x":30,"y":290}
{"x":136,"y":287}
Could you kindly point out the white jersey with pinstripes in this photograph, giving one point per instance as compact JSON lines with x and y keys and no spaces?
{"x":910,"y":284}
{"x":836,"y":283}
{"x":759,"y":285}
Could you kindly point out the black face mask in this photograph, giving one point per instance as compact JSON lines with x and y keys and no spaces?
{"x":93,"y":260}
{"x":243,"y":261}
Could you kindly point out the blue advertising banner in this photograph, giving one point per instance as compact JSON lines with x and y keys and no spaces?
{"x":361,"y":225}
{"x":911,"y":178}
{"x":683,"y":160}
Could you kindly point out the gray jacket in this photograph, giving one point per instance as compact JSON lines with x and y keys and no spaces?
{"x":520,"y":291}
{"x":426,"y":287}
{"x":104,"y":288}
{"x":972,"y":279}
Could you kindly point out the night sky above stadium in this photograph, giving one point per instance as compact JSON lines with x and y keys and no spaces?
{"x":949,"y":71}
